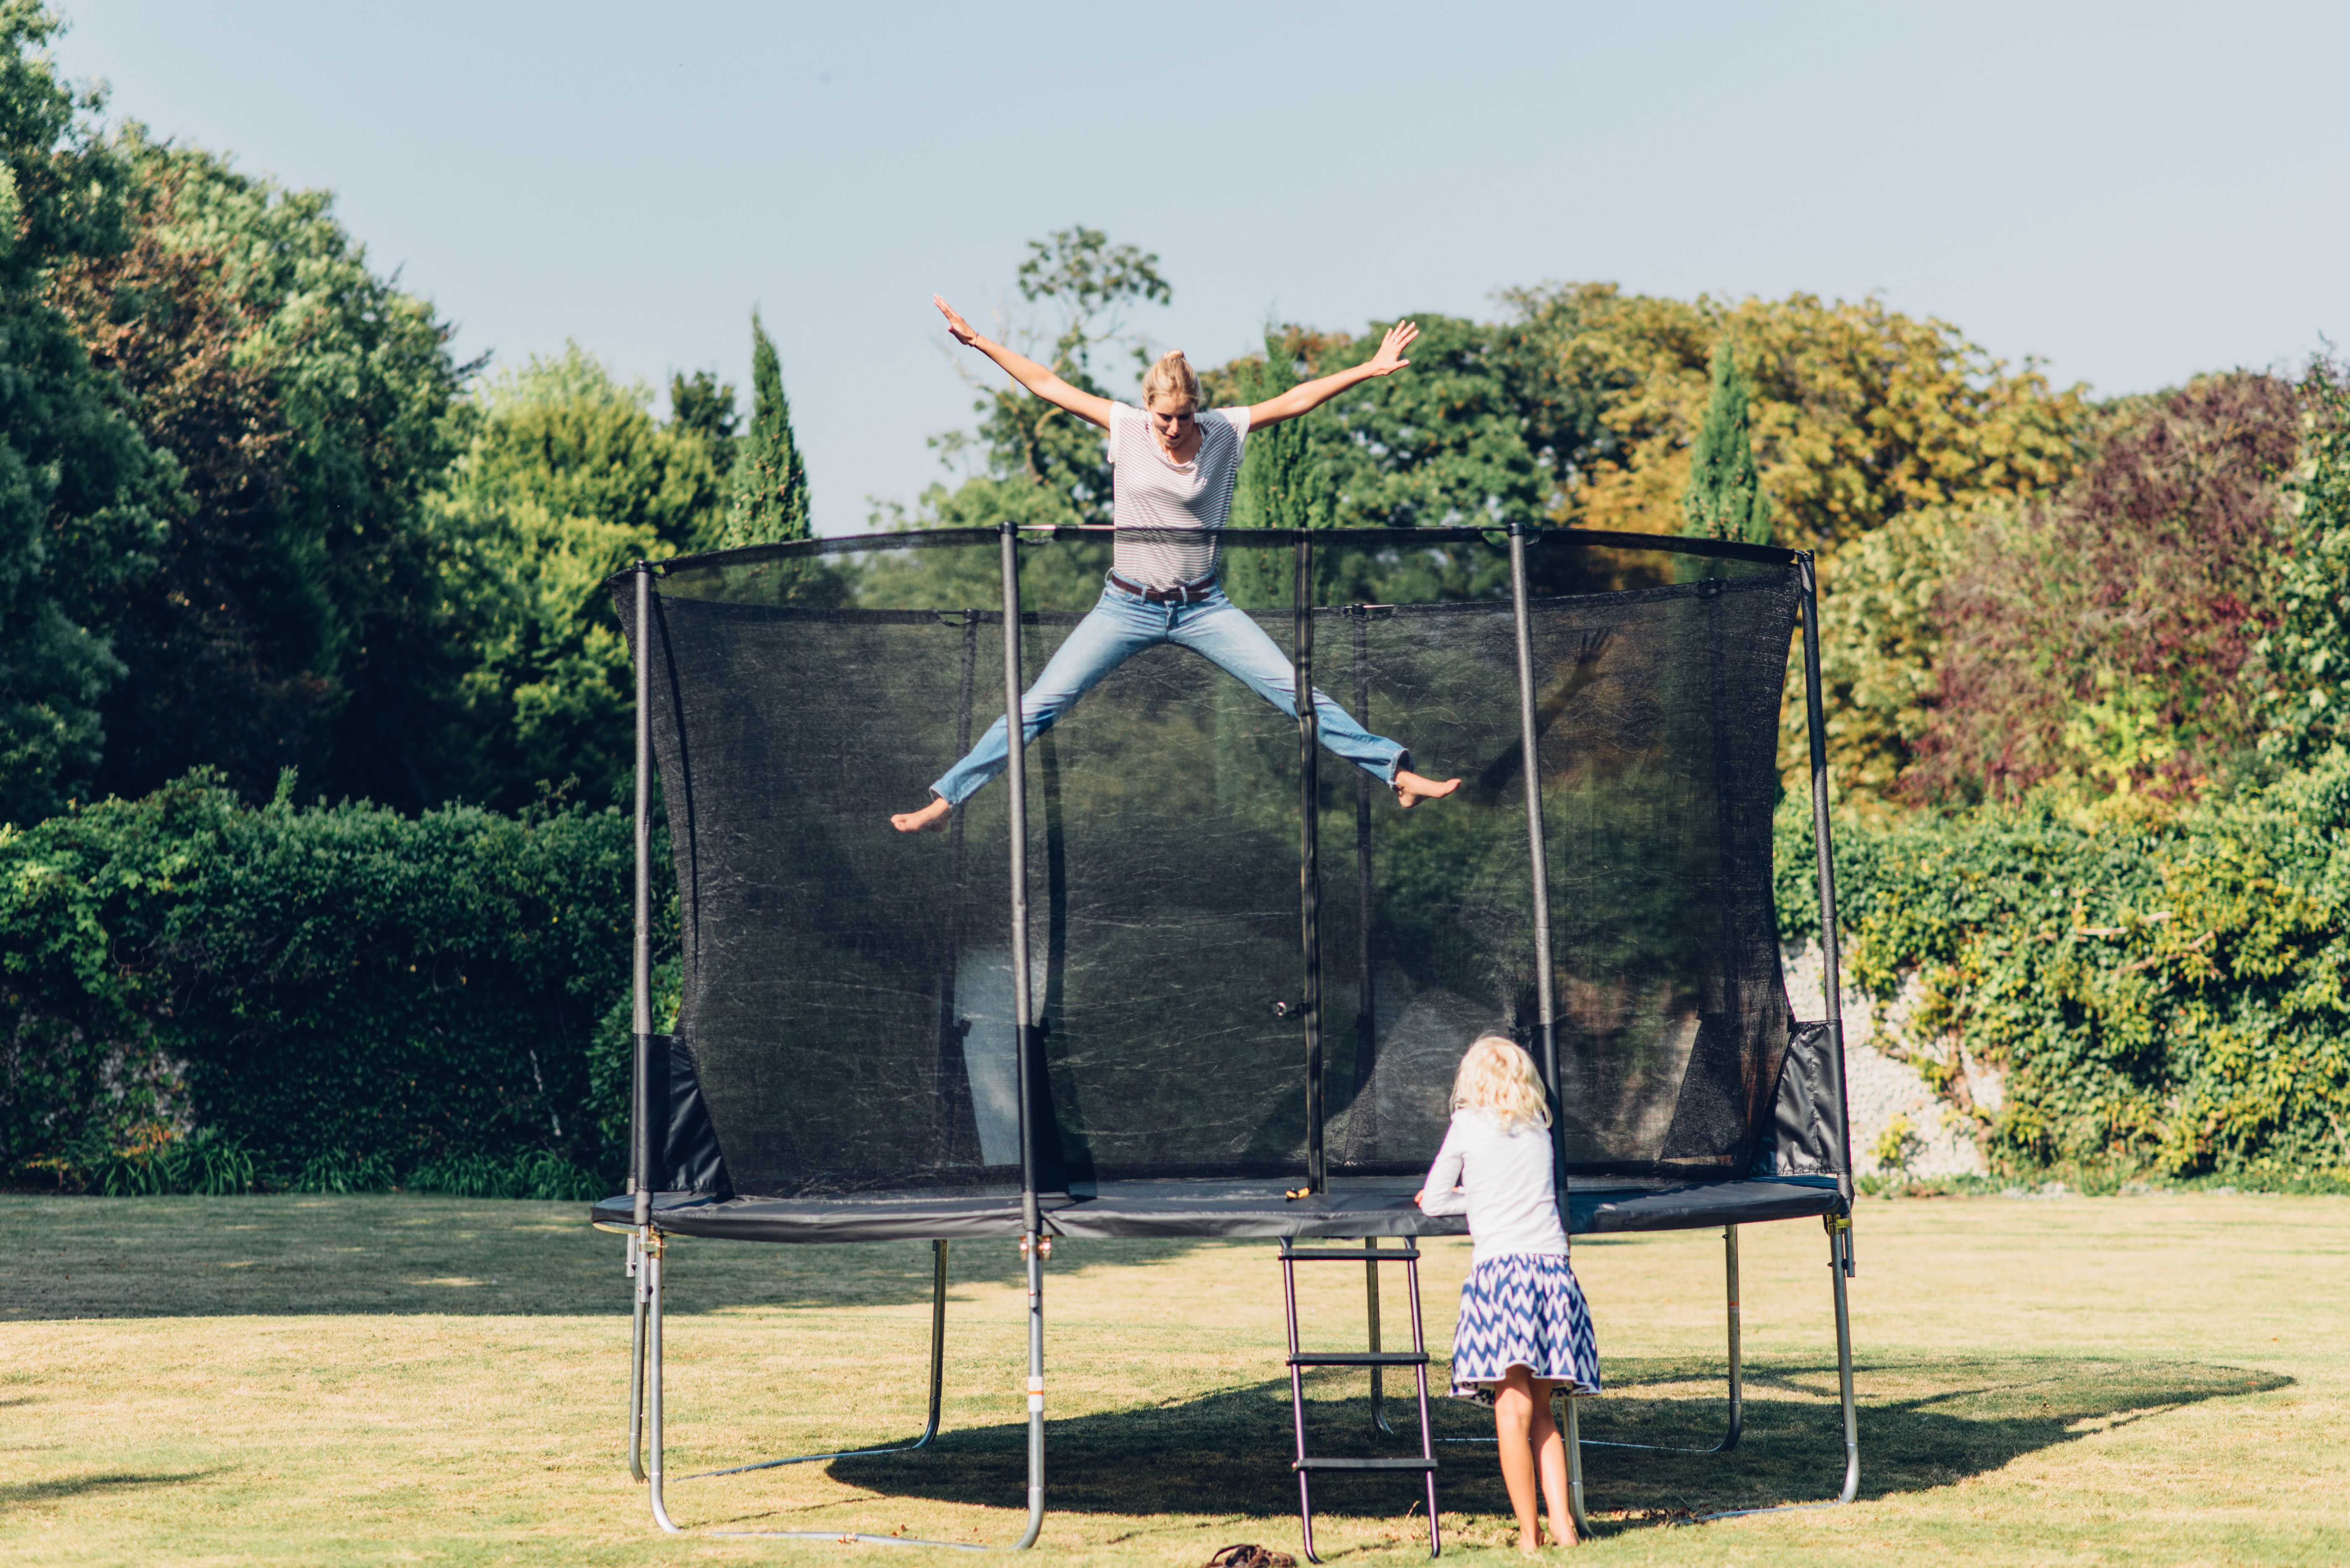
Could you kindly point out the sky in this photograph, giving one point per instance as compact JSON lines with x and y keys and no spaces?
{"x":2131,"y":193}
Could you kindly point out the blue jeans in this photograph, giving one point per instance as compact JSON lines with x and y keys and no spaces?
{"x":1121,"y":625}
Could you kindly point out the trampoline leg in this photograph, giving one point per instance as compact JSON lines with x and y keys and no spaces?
{"x":637,"y":1356}
{"x":938,"y":1341}
{"x":937,"y":1387}
{"x":1032,"y":1244}
{"x":1573,"y":1432}
{"x":1737,"y":1358}
{"x":1839,"y":1266}
{"x":652,"y":1267}
{"x":1839,"y":1228}
{"x":1737,"y":1368}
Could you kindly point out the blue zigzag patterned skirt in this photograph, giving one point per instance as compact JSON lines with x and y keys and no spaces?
{"x":1522,"y":1310}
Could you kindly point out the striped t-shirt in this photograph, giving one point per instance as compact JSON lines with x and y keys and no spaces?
{"x":1154,"y":493}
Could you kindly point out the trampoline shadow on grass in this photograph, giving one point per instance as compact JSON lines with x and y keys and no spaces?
{"x":18,"y":1494}
{"x":1925,"y":1423}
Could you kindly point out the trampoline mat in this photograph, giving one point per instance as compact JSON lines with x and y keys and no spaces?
{"x":1353,"y":1206}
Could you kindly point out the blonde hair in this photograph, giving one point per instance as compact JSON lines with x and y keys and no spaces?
{"x":1171,"y":375}
{"x":1498,"y":1078}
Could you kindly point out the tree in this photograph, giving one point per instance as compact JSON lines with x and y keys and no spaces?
{"x":1285,"y":478}
{"x":565,"y":478}
{"x":1858,"y":413}
{"x":298,"y":619}
{"x":704,"y":404}
{"x":1040,"y":463}
{"x":1724,"y":499}
{"x":2104,"y":639}
{"x":2301,"y":661}
{"x":83,"y":498}
{"x":1441,"y":445}
{"x":768,"y":496}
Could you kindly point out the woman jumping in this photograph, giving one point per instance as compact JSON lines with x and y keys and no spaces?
{"x":1174,"y":469}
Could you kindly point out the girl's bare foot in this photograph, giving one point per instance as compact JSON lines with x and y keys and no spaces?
{"x":1411,"y":789}
{"x":931,"y":818}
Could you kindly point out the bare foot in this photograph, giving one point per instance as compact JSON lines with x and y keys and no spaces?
{"x":1411,"y":789}
{"x":931,"y":818}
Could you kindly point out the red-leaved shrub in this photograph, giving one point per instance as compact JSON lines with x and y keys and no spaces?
{"x":2102,"y":633}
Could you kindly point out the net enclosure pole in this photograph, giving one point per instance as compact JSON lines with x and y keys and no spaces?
{"x":1831,"y":956}
{"x":640,"y":987}
{"x":1024,"y":1030}
{"x":1537,"y":860}
{"x":1016,"y":781}
{"x":1362,"y":1115}
{"x":1309,"y":871}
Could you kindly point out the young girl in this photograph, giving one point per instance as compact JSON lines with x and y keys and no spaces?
{"x":1174,"y":465}
{"x":1523,"y":1327}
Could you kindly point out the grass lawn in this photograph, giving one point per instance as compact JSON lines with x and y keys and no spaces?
{"x":2158,"y":1379}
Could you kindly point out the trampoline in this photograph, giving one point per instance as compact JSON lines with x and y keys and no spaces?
{"x":1182,"y":973}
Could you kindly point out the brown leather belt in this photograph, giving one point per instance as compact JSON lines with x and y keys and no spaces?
{"x":1181,"y":594}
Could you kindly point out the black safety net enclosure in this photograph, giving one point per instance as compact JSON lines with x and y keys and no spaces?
{"x":1221,"y":990}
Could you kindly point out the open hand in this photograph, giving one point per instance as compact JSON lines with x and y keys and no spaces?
{"x":1420,"y":1199}
{"x":960,"y":330}
{"x":1389,"y":358}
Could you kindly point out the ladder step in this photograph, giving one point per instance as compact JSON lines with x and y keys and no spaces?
{"x":1351,"y":1255}
{"x":1360,"y":1358}
{"x":1363,"y":1465}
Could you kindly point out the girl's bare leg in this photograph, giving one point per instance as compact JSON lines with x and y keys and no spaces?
{"x":1411,"y":789}
{"x":1514,"y":1415}
{"x":1550,"y":1460}
{"x":929,"y":819}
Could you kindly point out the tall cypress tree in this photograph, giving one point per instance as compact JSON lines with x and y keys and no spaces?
{"x":1283,"y":483}
{"x":767,"y":488}
{"x":1725,"y":499}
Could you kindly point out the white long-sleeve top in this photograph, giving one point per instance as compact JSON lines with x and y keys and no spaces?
{"x":1502,"y":1182}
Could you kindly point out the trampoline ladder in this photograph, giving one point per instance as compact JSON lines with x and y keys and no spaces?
{"x":1306,"y":1464}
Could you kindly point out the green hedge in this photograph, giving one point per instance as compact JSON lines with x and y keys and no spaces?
{"x":2174,"y":1000}
{"x":340,"y":995}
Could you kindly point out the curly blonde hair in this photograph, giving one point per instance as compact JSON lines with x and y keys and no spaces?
{"x":1498,"y":1078}
{"x":1171,"y":376}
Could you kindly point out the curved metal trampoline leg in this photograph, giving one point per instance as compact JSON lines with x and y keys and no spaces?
{"x":937,"y":1385}
{"x":1737,"y":1368}
{"x":652,"y":1267}
{"x":1573,"y":1432}
{"x":637,"y":1358}
{"x":1839,"y":1269}
{"x":1033,"y":1246}
{"x":929,"y":1430}
{"x":1737,"y":1357}
{"x":938,"y":1341}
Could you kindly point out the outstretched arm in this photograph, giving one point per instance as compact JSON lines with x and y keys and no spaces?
{"x":1026,"y":371}
{"x":1308,"y":396}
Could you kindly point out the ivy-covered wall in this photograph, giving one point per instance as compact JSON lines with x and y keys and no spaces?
{"x":2174,"y":1000}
